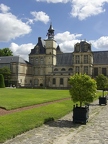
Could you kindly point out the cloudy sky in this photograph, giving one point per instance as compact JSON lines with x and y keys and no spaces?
{"x":23,"y":21}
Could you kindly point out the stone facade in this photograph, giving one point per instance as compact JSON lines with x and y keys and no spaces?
{"x":49,"y":67}
{"x":21,"y":70}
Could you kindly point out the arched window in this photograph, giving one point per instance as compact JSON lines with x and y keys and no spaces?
{"x":70,"y":69}
{"x":55,"y":69}
{"x":63,"y":69}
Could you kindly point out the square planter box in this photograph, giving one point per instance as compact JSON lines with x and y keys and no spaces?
{"x":80,"y":114}
{"x":103,"y":100}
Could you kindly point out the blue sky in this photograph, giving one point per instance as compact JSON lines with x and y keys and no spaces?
{"x":23,"y":21}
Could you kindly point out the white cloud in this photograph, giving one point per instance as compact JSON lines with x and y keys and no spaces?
{"x":67,"y":41}
{"x":10,"y":26}
{"x":30,"y":21}
{"x":53,"y":1}
{"x":4,"y":8}
{"x":82,"y":8}
{"x":21,"y":50}
{"x":40,"y":16}
{"x":101,"y":43}
{"x":86,"y":8}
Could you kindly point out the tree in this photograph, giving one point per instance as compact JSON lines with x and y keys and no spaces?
{"x":83,"y":88}
{"x":102,"y":82}
{"x":2,"y":85}
{"x":5,"y":71}
{"x":6,"y":52}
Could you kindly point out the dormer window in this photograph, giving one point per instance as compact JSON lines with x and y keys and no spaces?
{"x":85,"y":48}
{"x":77,"y":49}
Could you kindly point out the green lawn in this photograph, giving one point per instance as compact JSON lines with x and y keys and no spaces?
{"x":15,"y":98}
{"x":19,"y":122}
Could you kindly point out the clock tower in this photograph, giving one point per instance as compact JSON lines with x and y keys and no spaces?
{"x":50,"y":50}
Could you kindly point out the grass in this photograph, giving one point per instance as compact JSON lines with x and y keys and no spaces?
{"x":19,"y":122}
{"x":15,"y":98}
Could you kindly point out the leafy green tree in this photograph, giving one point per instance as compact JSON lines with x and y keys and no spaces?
{"x":6,"y":52}
{"x":83,"y":88}
{"x":5,"y":71}
{"x":2,"y":85}
{"x":102,"y":82}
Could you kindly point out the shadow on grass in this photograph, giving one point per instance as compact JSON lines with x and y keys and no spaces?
{"x":62,"y":124}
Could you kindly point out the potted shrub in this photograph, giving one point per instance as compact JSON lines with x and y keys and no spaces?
{"x":102,"y":84}
{"x":83,"y":90}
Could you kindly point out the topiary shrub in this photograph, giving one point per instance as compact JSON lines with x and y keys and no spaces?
{"x":2,"y":84}
{"x":83,"y":88}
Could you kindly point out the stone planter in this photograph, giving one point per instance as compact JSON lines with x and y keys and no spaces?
{"x":80,"y":114}
{"x":102,"y":100}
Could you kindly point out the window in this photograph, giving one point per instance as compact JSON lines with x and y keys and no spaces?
{"x":85,"y":47}
{"x":31,"y":60}
{"x":36,"y":60}
{"x":85,"y":59}
{"x":41,"y":61}
{"x":77,"y":48}
{"x":95,"y":72}
{"x":104,"y":71}
{"x":36,"y":71}
{"x":30,"y":81}
{"x":77,"y":59}
{"x":36,"y":81}
{"x":61,"y":81}
{"x":41,"y":71}
{"x":77,"y":69}
{"x":70,"y":69}
{"x":63,"y":69}
{"x":55,"y":69}
{"x":54,"y":81}
{"x":86,"y":69}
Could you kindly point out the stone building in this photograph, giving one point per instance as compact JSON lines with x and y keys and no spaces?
{"x":49,"y":67}
{"x":21,"y":70}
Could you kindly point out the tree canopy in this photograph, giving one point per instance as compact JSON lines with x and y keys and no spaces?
{"x":6,"y":52}
{"x":5,"y":71}
{"x":2,"y":85}
{"x":83,"y":88}
{"x":102,"y":82}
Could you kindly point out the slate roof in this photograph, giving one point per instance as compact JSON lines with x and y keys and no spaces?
{"x":100,"y":57}
{"x":64,"y":59}
{"x":41,"y":47}
{"x":11,"y":59}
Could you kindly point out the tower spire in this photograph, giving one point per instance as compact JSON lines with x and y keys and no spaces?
{"x":50,"y":33}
